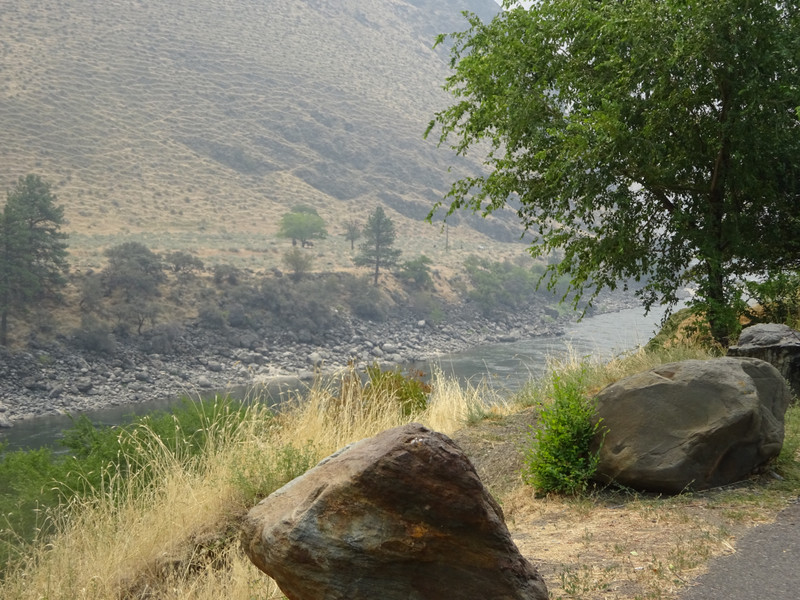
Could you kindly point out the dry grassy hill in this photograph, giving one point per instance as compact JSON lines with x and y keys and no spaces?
{"x":195,"y":124}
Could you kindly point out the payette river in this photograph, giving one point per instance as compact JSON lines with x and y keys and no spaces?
{"x":505,"y":367}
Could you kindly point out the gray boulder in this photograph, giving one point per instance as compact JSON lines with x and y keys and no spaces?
{"x":775,"y":343}
{"x":692,"y":425}
{"x":399,"y":516}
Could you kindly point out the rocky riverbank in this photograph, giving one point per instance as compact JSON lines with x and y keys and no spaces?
{"x":59,"y":377}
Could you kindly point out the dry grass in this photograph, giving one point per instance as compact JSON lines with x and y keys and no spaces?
{"x":177,"y":539}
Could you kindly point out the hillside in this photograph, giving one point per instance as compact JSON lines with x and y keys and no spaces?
{"x":196,"y":124}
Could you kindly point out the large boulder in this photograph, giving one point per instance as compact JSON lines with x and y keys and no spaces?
{"x":694,"y":424}
{"x":775,"y":343}
{"x":399,"y":516}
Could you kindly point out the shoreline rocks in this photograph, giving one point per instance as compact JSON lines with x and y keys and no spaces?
{"x":166,"y":363}
{"x":59,"y":378}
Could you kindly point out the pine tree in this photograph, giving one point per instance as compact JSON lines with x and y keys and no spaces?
{"x":32,"y":248}
{"x":376,"y":251}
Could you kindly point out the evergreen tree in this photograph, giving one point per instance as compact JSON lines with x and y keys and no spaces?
{"x":33,"y":250}
{"x":376,"y":251}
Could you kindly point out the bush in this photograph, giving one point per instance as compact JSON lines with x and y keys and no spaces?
{"x":416,"y":273}
{"x":777,"y":298}
{"x":36,"y":482}
{"x":294,"y":306}
{"x":499,"y":286}
{"x":559,"y":457}
{"x":364,"y":299}
{"x":94,"y":336}
{"x":407,"y":389}
{"x":183,"y":262}
{"x":224,"y":273}
{"x":211,"y":317}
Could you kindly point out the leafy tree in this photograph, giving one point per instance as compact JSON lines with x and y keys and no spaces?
{"x":649,"y":140}
{"x":32,"y":247}
{"x":352,"y":231}
{"x":302,"y":223}
{"x":376,"y":251}
{"x":181,"y":262}
{"x":135,"y":272}
{"x":134,"y":269}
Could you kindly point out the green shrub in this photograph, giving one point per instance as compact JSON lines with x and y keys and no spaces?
{"x":95,"y":336}
{"x":777,"y":298}
{"x":275,"y":468}
{"x":408,"y":389}
{"x":559,"y":457}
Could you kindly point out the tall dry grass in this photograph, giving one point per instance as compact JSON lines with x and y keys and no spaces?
{"x":176,"y":536}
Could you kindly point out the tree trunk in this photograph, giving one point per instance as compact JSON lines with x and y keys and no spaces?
{"x":718,"y":312}
{"x":4,"y":327}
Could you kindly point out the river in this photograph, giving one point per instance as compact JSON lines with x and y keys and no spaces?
{"x":505,"y":366}
{"x":508,"y":366}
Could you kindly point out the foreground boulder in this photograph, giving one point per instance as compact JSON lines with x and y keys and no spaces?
{"x":775,"y":343}
{"x":402,"y":515}
{"x":694,"y":424}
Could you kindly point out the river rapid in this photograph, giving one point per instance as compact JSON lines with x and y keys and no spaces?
{"x":505,"y":367}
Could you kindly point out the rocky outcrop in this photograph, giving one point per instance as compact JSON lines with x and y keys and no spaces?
{"x":692,"y":425}
{"x":775,"y":343}
{"x":397,"y":516}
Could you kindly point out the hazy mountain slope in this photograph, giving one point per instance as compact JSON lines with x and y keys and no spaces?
{"x":194,"y":115}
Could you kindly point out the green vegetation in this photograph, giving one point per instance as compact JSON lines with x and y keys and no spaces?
{"x":408,"y":389}
{"x":302,"y":223}
{"x":777,"y":299}
{"x":32,"y":248}
{"x":559,"y":457}
{"x":34,"y":484}
{"x":183,"y":263}
{"x":298,"y":261}
{"x":503,"y":286}
{"x":376,"y":251}
{"x":671,"y":161}
{"x":153,"y":506}
{"x":417,"y":272}
{"x":133,"y":274}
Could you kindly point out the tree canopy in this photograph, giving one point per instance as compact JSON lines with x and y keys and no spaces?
{"x":376,"y":249}
{"x":302,"y":223}
{"x":33,"y":249}
{"x":647,"y":140}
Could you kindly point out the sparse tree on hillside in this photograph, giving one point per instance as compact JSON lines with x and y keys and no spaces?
{"x":654,"y":141}
{"x":33,"y":249}
{"x":376,"y":251}
{"x":302,"y":223}
{"x":352,"y":231}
